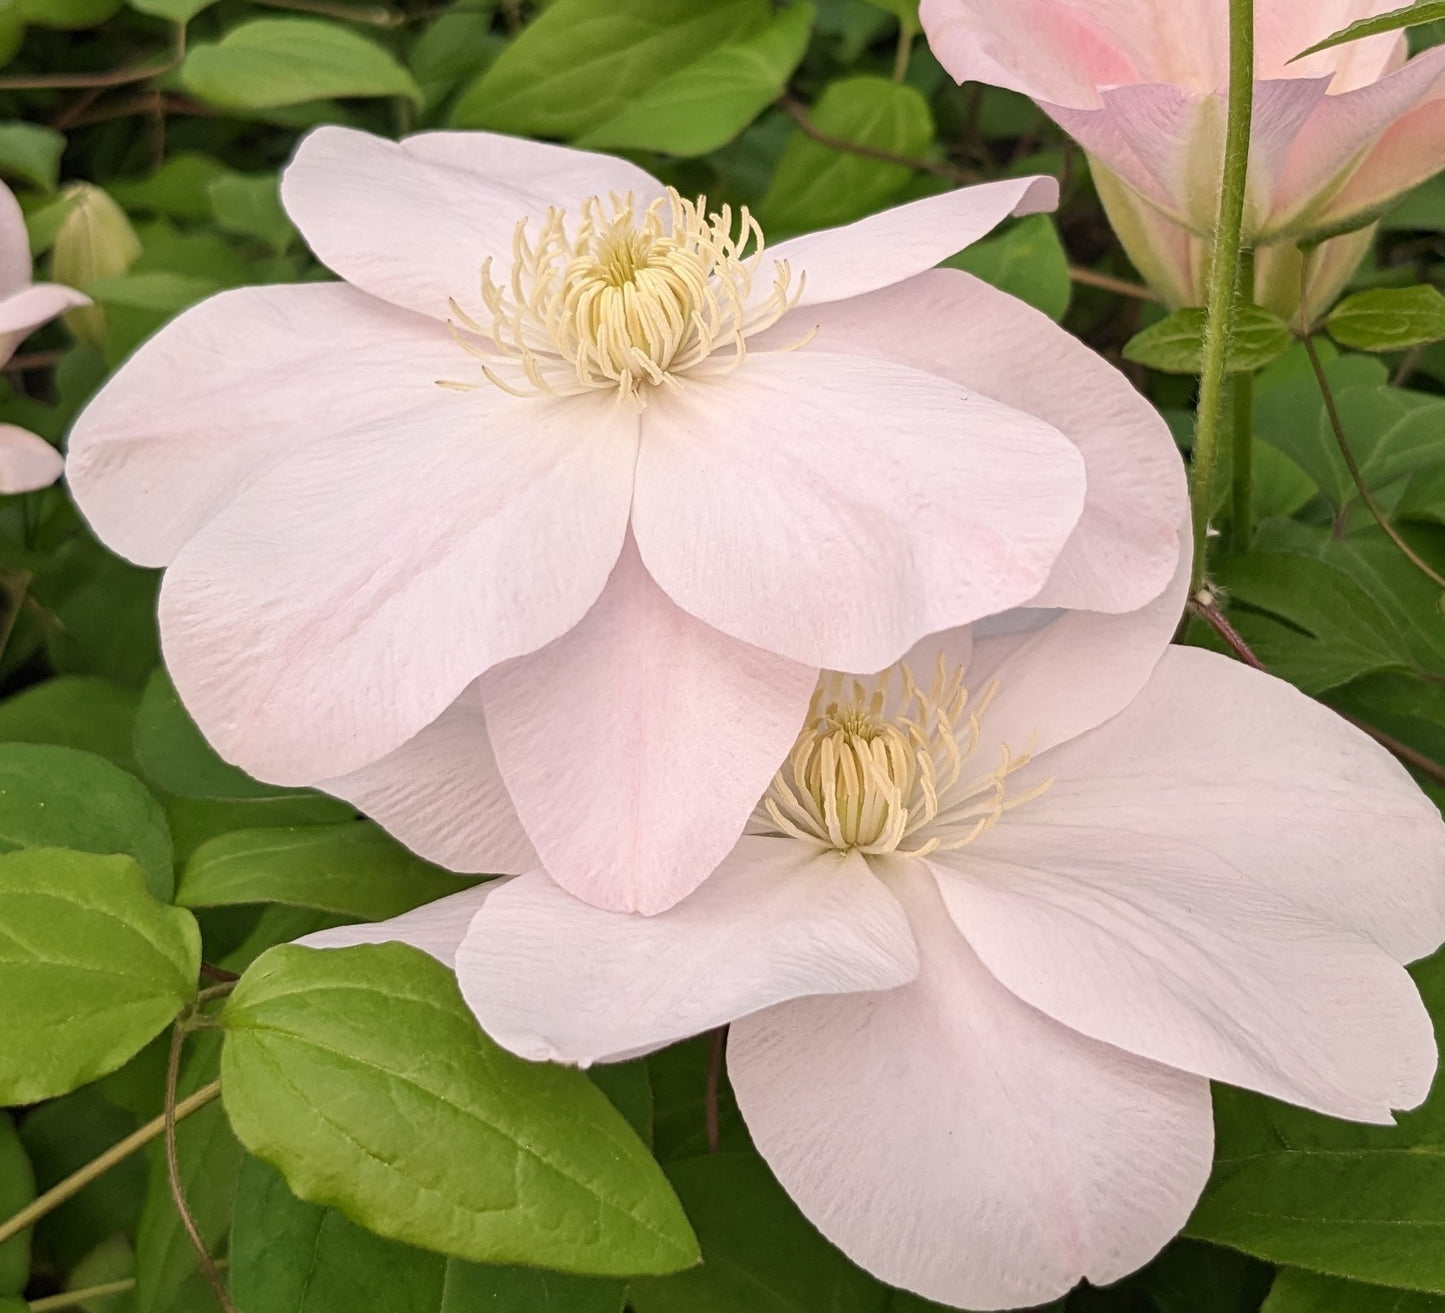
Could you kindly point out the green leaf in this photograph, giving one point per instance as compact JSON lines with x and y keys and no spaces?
{"x":17,"y":1188}
{"x":180,"y":188}
{"x":103,"y":610}
{"x":1175,"y":345}
{"x":754,"y":1240}
{"x":353,"y":869}
{"x":1296,"y":1291}
{"x":1392,"y":432}
{"x":195,"y":820}
{"x":32,"y":153}
{"x":177,"y":11}
{"x":818,"y":186}
{"x":250,"y":206}
{"x":175,"y":757}
{"x":62,"y":1136}
{"x":1389,"y":318}
{"x":1366,"y":1203}
{"x":67,"y":15}
{"x":905,"y":11}
{"x":703,"y":106}
{"x":73,"y":711}
{"x":1026,"y":260}
{"x":459,"y":44}
{"x":167,"y":292}
{"x":1189,"y":1277}
{"x":580,"y":62}
{"x":286,"y":61}
{"x":361,"y":1074}
{"x":54,"y":797}
{"x":1424,"y":11}
{"x":293,"y":1257}
{"x":210,"y":1162}
{"x":1333,"y":630}
{"x":91,"y":968}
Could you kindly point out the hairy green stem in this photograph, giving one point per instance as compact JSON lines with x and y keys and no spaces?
{"x":1241,"y":507}
{"x":1223,"y":274}
{"x":79,"y":1179}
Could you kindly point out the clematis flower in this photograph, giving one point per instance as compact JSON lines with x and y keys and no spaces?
{"x":1000,"y":916}
{"x":1141,"y":85}
{"x":572,"y":474}
{"x":27,"y":461}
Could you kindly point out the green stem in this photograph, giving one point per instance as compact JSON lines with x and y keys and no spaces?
{"x":1241,"y":514}
{"x":1224,"y":273}
{"x":74,"y":1298}
{"x":78,"y":1180}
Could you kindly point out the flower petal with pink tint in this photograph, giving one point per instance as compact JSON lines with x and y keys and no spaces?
{"x":1158,"y":947}
{"x":343,"y":601}
{"x":1299,"y":800}
{"x":441,"y":795}
{"x":1124,"y":549}
{"x":1108,"y":659}
{"x":412,"y":222}
{"x":27,"y":462}
{"x":894,"y":503}
{"x":956,"y":1142}
{"x":25,"y":310}
{"x":638,"y":743}
{"x":886,"y":248}
{"x":554,"y":979}
{"x":437,"y":927}
{"x":318,"y":359}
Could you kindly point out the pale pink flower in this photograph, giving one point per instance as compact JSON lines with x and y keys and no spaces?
{"x":662,"y":482}
{"x":1141,"y":85}
{"x":27,"y":462}
{"x":997,"y":922}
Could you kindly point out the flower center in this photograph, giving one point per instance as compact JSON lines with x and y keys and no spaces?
{"x":862,"y":778}
{"x":625,"y":299}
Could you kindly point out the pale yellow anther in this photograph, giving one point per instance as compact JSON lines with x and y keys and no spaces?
{"x":624,"y":299}
{"x":863,"y":779}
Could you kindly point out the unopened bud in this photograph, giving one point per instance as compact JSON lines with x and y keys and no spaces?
{"x":95,"y":241}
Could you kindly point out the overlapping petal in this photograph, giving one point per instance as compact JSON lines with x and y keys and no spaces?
{"x":348,"y":595}
{"x":437,"y":927}
{"x":1126,"y":544}
{"x":552,"y":978}
{"x":27,"y":461}
{"x":1270,"y":784}
{"x":954,"y":1141}
{"x":1157,"y":946}
{"x":441,"y":794}
{"x":637,"y":744}
{"x":412,"y":222}
{"x":249,"y":378}
{"x":894,"y":504}
{"x":886,"y":248}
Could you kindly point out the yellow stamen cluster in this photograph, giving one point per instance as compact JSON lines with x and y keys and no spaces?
{"x":626,"y":301}
{"x":863,"y":777}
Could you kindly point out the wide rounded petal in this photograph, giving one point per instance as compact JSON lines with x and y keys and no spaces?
{"x":834,"y":509}
{"x":1125,"y":547}
{"x":1386,"y":137}
{"x":1159,"y":947}
{"x":1271,"y":785}
{"x":23,"y":311}
{"x":441,"y":795}
{"x":437,"y":927}
{"x":1056,"y":674}
{"x":27,"y":461}
{"x":412,"y":222}
{"x":956,"y":1142}
{"x":346,"y":598}
{"x":15,"y":264}
{"x":554,"y":979}
{"x":886,"y":248}
{"x":248,"y":377}
{"x":637,"y":745}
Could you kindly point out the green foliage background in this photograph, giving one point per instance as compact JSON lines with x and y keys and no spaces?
{"x":129,"y":852}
